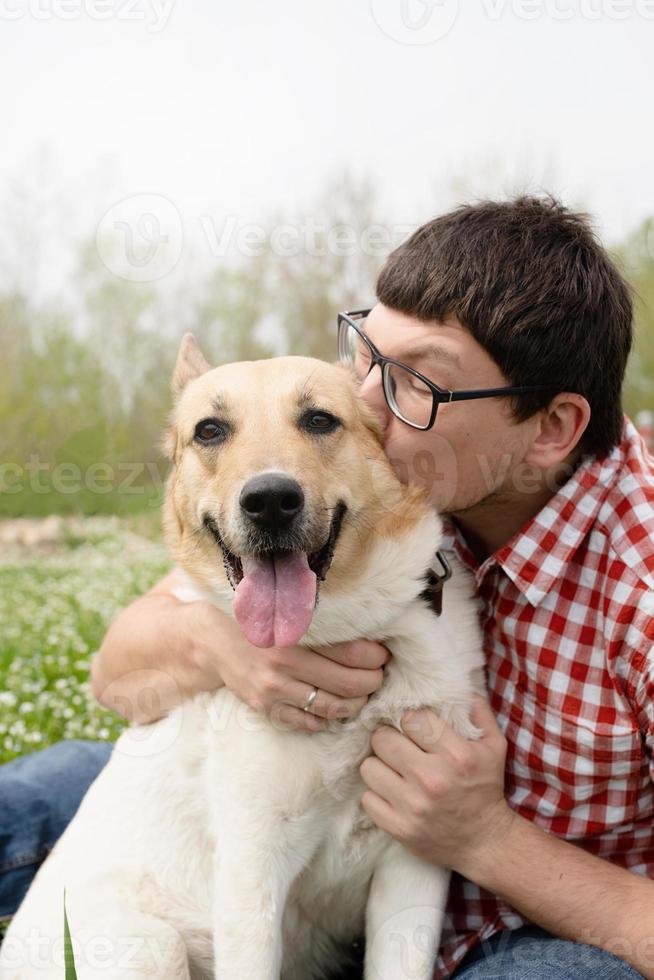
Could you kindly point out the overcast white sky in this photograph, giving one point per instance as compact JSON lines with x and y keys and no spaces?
{"x":244,"y":107}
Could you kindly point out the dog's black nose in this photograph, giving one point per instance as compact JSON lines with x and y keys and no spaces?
{"x":271,"y":501}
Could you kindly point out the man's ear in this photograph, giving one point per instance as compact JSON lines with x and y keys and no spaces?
{"x":190,"y":364}
{"x":561,"y":427}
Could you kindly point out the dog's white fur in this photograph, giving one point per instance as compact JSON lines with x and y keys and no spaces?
{"x":216,"y":828}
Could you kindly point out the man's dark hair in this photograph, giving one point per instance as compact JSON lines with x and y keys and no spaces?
{"x":536,"y":289}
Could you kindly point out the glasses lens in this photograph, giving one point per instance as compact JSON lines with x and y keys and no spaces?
{"x":352,"y":348}
{"x":408,"y":396}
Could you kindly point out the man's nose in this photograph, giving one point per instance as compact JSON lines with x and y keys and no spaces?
{"x":372,"y":391}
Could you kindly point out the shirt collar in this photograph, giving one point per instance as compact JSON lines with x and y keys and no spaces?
{"x":535,"y":557}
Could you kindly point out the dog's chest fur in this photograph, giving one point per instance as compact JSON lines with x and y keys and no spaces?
{"x":201,"y":812}
{"x":311,"y":783}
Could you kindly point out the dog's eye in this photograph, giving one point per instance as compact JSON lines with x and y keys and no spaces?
{"x":319,"y":422}
{"x":211,"y":431}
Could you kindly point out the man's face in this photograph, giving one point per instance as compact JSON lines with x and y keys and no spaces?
{"x":471,"y":452}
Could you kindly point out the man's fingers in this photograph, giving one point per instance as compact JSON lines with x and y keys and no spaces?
{"x":286,"y":716}
{"x":331,"y":676}
{"x":431,"y":732}
{"x":358,"y":653}
{"x":295,"y":671}
{"x":325,"y":704}
{"x":428,"y":730}
{"x":381,"y":779}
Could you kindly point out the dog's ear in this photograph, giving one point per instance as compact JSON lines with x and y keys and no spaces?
{"x":370,"y":420}
{"x":168,"y":440}
{"x":190,"y":364}
{"x":368,"y":417}
{"x":365,"y":414}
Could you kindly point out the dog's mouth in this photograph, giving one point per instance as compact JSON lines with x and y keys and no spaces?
{"x":276,"y":589}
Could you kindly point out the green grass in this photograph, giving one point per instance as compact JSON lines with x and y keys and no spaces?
{"x":69,"y":957}
{"x":54,"y":610}
{"x":30,"y":504}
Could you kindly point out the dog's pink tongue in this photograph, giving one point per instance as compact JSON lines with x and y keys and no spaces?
{"x":275,"y":599}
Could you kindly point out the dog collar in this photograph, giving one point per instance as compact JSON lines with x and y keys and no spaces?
{"x":433,"y":591}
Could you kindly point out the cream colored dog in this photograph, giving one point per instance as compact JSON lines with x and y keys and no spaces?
{"x":217,"y":843}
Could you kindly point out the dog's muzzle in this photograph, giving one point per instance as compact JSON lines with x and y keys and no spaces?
{"x":276,"y":575}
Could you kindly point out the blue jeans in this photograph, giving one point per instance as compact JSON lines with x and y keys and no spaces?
{"x":531,"y":953}
{"x":39,"y":795}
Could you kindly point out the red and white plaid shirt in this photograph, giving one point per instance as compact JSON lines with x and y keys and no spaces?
{"x":568,"y":620}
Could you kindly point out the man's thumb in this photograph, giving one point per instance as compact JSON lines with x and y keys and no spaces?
{"x":482,"y":715}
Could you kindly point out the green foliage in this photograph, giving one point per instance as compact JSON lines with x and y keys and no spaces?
{"x":228,"y":313}
{"x":84,"y":391}
{"x":637,"y":257}
{"x":55,"y":607}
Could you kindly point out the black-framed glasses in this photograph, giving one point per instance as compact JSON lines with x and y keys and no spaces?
{"x":411,"y":396}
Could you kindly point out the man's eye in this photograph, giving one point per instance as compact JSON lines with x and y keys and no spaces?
{"x":211,"y":431}
{"x":362,"y":366}
{"x":321,"y":422}
{"x":419,"y":388}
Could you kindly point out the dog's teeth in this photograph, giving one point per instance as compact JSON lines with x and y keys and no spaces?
{"x":228,"y":571}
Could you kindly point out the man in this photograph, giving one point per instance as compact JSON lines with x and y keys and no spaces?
{"x":547,"y":820}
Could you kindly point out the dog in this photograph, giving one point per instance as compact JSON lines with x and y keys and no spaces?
{"x":217,"y":843}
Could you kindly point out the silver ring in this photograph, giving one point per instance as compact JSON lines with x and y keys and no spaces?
{"x":310,"y":699}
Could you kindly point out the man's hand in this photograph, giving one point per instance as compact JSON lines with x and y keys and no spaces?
{"x":439,"y":794}
{"x":277,"y":681}
{"x":160,"y":651}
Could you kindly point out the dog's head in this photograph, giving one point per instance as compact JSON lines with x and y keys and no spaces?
{"x":279,"y":482}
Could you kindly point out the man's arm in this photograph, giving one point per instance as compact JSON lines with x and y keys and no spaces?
{"x":442,"y":796}
{"x":160,"y":651}
{"x":569,"y":892}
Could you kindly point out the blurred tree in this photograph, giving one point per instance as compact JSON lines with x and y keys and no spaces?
{"x":89,"y":384}
{"x":323,"y":261}
{"x":637,"y":259}
{"x":228,"y":316}
{"x":16,"y":349}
